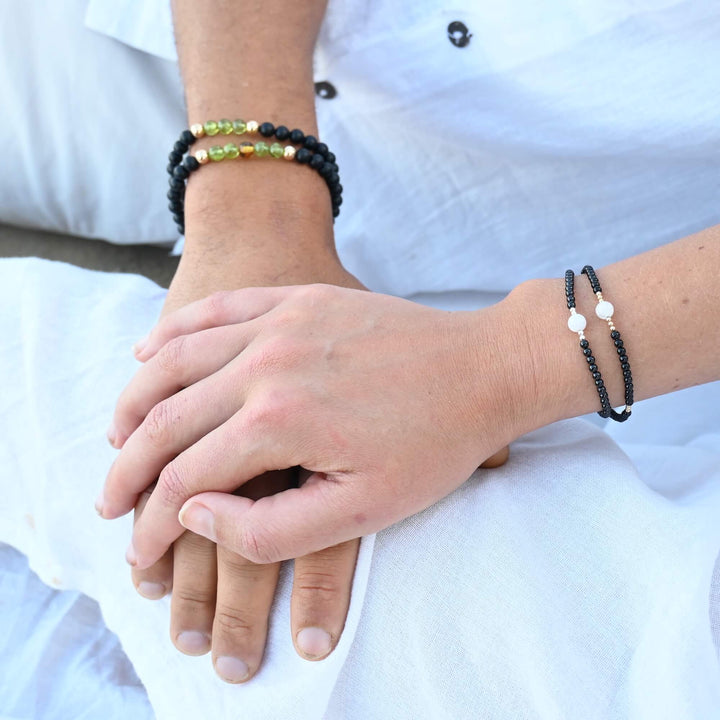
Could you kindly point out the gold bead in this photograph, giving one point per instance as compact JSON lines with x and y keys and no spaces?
{"x":202,"y":157}
{"x":246,"y":149}
{"x":599,"y":296}
{"x":289,"y":152}
{"x":252,"y":126}
{"x":197,"y":130}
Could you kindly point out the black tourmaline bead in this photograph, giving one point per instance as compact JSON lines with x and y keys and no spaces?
{"x":178,"y":218}
{"x":297,"y":136}
{"x":326,"y":170}
{"x":303,"y":156}
{"x":599,"y":382}
{"x":333,"y":178}
{"x":614,"y":334}
{"x":592,"y":368}
{"x":267,"y":129}
{"x":584,"y":344}
{"x":317,"y":161}
{"x":596,"y":375}
{"x":322,"y":149}
{"x":587,"y":351}
{"x":176,"y":182}
{"x":590,"y":359}
{"x":181,"y":172}
{"x":171,"y":167}
{"x":339,"y":188}
{"x":282,"y":133}
{"x":174,"y":206}
{"x":175,"y":157}
{"x":336,"y":211}
{"x":180,"y":147}
{"x":330,"y":157}
{"x":187,"y":137}
{"x":191,"y":164}
{"x":623,"y":358}
{"x":174,"y":194}
{"x":338,"y":201}
{"x":625,"y":366}
{"x":618,"y":343}
{"x":310,"y":142}
{"x":621,"y":350}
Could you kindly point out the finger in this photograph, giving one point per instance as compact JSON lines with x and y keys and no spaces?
{"x":247,"y":445}
{"x":498,"y":459}
{"x":192,"y":608}
{"x":321,"y":597}
{"x":289,"y":524}
{"x":180,"y":363}
{"x":220,"y":308}
{"x":170,"y":427}
{"x":245,"y":592}
{"x":156,"y":581}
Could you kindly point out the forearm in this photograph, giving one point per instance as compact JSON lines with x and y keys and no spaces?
{"x":252,"y":60}
{"x":667,"y":307}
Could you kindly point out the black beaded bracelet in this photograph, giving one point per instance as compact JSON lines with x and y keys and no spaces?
{"x":577,"y":323}
{"x":604,"y":310}
{"x":312,"y":153}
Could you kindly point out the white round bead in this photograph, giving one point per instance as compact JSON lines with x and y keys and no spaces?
{"x":604,"y":309}
{"x":577,"y":322}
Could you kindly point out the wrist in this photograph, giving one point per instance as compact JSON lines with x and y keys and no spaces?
{"x":556,"y":369}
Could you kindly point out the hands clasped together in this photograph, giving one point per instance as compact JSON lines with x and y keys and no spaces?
{"x":382,"y":407}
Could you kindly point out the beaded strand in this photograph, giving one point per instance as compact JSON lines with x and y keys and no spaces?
{"x":604,"y":310}
{"x":577,"y":323}
{"x":312,"y":153}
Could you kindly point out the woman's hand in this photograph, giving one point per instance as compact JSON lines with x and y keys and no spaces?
{"x":220,"y":600}
{"x":388,"y":404}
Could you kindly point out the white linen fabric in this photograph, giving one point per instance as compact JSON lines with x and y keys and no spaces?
{"x":578,"y":580}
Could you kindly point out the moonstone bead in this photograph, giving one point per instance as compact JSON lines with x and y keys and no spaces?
{"x":577,"y":322}
{"x":604,"y":309}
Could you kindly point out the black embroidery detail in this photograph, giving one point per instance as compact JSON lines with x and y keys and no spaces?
{"x":458,"y":34}
{"x":325,"y":90}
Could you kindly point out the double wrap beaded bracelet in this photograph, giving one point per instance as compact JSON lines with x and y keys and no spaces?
{"x":312,"y":153}
{"x":577,"y":323}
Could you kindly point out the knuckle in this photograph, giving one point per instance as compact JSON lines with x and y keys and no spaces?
{"x":171,"y":356}
{"x":172,"y":485}
{"x":215,"y":307}
{"x":256,"y":547}
{"x":311,"y":584}
{"x":193,"y":597}
{"x":157,"y":426}
{"x":233,"y":620}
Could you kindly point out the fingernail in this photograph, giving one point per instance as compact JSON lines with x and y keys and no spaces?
{"x":192,"y":642}
{"x":314,"y":642}
{"x":231,"y":669}
{"x":130,"y":555}
{"x":139,"y":346}
{"x":112,"y":434}
{"x":100,"y":503}
{"x":151,"y":590}
{"x":199,"y":519}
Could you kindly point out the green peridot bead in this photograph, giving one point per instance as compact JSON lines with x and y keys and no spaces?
{"x":216,"y":153}
{"x":231,"y":151}
{"x":225,"y":126}
{"x":239,"y":127}
{"x":262,"y":149}
{"x":211,"y":127}
{"x":276,"y":150}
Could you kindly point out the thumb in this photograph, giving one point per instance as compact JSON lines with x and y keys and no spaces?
{"x":289,"y":524}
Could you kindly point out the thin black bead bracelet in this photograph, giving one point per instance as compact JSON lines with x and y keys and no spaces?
{"x":604,"y":310}
{"x":312,"y":153}
{"x":577,"y":323}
